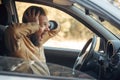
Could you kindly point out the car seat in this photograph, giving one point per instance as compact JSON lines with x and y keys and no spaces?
{"x":4,"y":21}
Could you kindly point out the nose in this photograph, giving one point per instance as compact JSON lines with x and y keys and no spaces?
{"x":47,"y":28}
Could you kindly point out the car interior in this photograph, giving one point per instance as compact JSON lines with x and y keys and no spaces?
{"x":9,"y":18}
{"x":69,"y":65}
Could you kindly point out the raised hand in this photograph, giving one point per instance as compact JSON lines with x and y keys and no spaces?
{"x":32,"y":17}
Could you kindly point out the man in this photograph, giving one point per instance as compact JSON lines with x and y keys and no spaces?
{"x":25,"y":40}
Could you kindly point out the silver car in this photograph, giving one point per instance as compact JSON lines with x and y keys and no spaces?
{"x":86,"y":48}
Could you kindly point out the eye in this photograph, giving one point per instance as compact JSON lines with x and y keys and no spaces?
{"x":46,"y":24}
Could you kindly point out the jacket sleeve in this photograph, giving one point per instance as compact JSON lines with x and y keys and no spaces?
{"x":19,"y":30}
{"x":15,"y":32}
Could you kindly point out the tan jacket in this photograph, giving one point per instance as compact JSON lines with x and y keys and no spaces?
{"x":19,"y":45}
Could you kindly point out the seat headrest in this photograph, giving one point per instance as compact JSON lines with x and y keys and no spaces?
{"x":4,"y":15}
{"x":2,"y":29}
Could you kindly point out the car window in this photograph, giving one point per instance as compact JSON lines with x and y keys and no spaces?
{"x":73,"y":34}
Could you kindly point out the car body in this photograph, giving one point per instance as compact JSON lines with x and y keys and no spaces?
{"x":98,"y":59}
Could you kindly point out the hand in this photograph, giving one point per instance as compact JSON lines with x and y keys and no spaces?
{"x":32,"y":17}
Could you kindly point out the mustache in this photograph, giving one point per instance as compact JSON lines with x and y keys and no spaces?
{"x":34,"y":40}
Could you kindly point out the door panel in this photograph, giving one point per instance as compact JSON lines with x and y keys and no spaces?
{"x":61,"y":56}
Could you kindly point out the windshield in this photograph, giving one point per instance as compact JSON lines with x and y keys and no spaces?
{"x":114,"y":30}
{"x":108,"y":25}
{"x":116,"y":3}
{"x":111,"y":28}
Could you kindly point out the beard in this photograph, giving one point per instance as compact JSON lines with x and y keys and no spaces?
{"x":35,"y":40}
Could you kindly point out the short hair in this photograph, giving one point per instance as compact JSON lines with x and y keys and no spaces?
{"x":31,"y":8}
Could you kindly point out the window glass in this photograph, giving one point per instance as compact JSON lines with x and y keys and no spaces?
{"x":116,"y":3}
{"x":106,"y":24}
{"x":73,"y":34}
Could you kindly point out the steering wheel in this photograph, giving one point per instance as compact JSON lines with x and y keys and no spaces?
{"x":84,"y":56}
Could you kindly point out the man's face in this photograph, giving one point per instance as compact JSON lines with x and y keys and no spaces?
{"x":38,"y":36}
